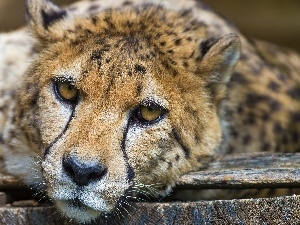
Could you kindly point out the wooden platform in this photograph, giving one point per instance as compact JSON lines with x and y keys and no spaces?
{"x":230,"y":172}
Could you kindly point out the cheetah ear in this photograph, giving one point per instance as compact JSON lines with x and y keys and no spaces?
{"x":218,"y":64}
{"x":41,"y":14}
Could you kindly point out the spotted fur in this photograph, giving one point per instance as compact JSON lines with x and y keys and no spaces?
{"x":218,"y":92}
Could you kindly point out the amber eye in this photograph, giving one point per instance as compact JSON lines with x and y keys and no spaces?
{"x":66,"y":91}
{"x":149,"y":114}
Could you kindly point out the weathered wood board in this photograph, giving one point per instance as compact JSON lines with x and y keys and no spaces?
{"x":230,"y":172}
{"x":273,"y":211}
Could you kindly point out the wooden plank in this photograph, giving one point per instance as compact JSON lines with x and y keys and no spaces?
{"x":243,"y":178}
{"x":257,"y":170}
{"x":231,"y":171}
{"x":281,"y":210}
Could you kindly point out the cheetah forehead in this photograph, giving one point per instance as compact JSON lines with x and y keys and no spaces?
{"x":176,"y":36}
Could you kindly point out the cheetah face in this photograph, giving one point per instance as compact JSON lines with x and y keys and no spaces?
{"x":118,"y":110}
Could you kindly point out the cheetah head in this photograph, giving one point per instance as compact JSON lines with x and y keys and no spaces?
{"x":119,"y":101}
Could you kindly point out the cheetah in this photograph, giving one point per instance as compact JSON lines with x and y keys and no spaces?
{"x":118,"y":98}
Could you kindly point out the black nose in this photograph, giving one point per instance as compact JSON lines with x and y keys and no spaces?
{"x":83,"y":173}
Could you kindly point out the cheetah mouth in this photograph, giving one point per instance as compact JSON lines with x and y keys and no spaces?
{"x":76,"y":203}
{"x":80,"y":205}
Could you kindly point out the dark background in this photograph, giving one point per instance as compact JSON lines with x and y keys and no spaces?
{"x":277,"y":21}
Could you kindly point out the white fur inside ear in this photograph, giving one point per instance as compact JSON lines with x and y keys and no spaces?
{"x":41,"y":14}
{"x":221,"y":58}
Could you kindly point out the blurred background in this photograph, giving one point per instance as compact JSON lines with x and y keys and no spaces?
{"x":272,"y":20}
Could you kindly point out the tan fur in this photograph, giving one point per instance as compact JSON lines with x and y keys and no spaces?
{"x":219,"y":91}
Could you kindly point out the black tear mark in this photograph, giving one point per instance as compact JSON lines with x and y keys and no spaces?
{"x":180,"y":142}
{"x":130,"y":171}
{"x":51,"y":17}
{"x":47,"y":149}
{"x":140,"y":69}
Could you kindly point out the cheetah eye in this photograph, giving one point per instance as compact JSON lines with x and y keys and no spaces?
{"x":149,"y":114}
{"x":66,"y":91}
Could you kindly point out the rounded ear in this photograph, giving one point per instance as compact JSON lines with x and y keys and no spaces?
{"x":218,"y":64}
{"x":41,"y":14}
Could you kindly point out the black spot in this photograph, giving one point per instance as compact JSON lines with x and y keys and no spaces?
{"x":282,"y":77}
{"x":275,"y":105}
{"x":230,"y":149}
{"x":185,"y":64}
{"x":34,"y":100}
{"x":140,"y":69}
{"x":189,"y":39}
{"x":170,"y":165}
{"x":180,"y":142}
{"x":153,"y":54}
{"x":278,"y":148}
{"x":163,"y":43}
{"x":139,"y":89}
{"x":266,"y":116}
{"x":295,"y":117}
{"x":75,"y":42}
{"x":294,"y":93}
{"x":177,"y":157}
{"x":14,"y":119}
{"x":285,"y":139}
{"x":244,"y":56}
{"x":167,"y":65}
{"x":277,"y":128}
{"x":96,"y":55}
{"x":234,"y":133}
{"x":21,"y":113}
{"x":84,"y":72}
{"x":196,"y":138}
{"x":247,"y":139}
{"x":240,"y":109}
{"x":253,"y":99}
{"x":51,"y":17}
{"x":127,"y":3}
{"x":295,"y":136}
{"x":93,"y":7}
{"x":274,"y":86}
{"x":187,"y":29}
{"x":88,"y":31}
{"x":239,"y":78}
{"x":266,"y":147}
{"x":227,"y":112}
{"x":251,"y":119}
{"x":257,"y":69}
{"x":170,"y":51}
{"x":185,"y":12}
{"x":94,"y":20}
{"x":178,"y":41}
{"x":12,"y":133}
{"x":109,"y":22}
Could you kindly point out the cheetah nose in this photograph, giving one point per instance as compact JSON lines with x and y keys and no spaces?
{"x":83,"y":173}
